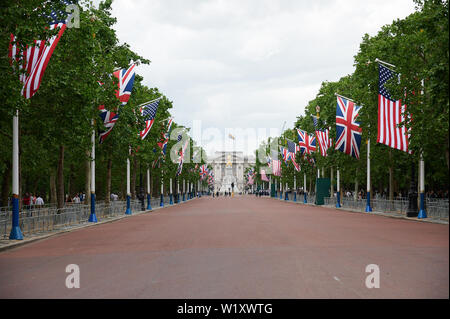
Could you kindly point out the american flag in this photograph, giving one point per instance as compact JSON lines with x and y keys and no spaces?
{"x":390,"y":114}
{"x":276,"y":165}
{"x":35,"y":58}
{"x":148,"y":112}
{"x":323,"y":137}
{"x":263,"y":176}
{"x":348,"y":131}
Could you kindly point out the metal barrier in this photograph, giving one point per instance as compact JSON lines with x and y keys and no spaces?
{"x":435,"y":208}
{"x":36,"y":220}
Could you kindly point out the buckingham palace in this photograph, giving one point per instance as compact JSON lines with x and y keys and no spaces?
{"x":229,"y":167}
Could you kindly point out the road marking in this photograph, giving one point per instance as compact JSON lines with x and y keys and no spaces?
{"x":336,"y":278}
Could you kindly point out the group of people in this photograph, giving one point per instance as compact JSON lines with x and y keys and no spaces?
{"x":29,"y":200}
{"x":77,"y":199}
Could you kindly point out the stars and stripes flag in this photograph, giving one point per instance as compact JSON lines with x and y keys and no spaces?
{"x":348,"y":131}
{"x":307,"y":144}
{"x":390,"y":115}
{"x":285,"y":154}
{"x":263,"y":176}
{"x":323,"y":137}
{"x":269,"y":161}
{"x":181,"y":158}
{"x":123,"y":92}
{"x":148,"y":112}
{"x":35,"y":58}
{"x":276,"y":165}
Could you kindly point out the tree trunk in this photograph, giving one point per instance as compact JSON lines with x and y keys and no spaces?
{"x":87,"y":184}
{"x":60,"y":193}
{"x":133,"y":178}
{"x":53,"y":198}
{"x":6,"y":184}
{"x":108,"y":181}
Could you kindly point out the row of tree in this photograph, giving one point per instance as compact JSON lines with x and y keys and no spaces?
{"x":56,"y":123}
{"x":418,"y":46}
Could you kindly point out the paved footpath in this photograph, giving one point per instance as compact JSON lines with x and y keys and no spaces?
{"x":241,"y":247}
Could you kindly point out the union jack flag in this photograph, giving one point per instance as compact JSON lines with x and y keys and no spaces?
{"x":181,"y":158}
{"x":292,"y":150}
{"x":123,"y":92}
{"x":36,"y":57}
{"x":323,"y":137}
{"x":109,"y":118}
{"x":125,"y":85}
{"x":148,"y":112}
{"x":203,"y":171}
{"x":165,"y":138}
{"x":348,"y":131}
{"x":307,"y":144}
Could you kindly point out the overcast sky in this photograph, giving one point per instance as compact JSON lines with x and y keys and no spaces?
{"x":247,"y":64}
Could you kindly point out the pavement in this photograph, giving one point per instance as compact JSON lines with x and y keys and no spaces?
{"x":239,"y":247}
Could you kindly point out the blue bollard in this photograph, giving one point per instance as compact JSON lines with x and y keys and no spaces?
{"x":149,"y":205}
{"x":286,"y":196}
{"x":295,"y":197}
{"x":368,"y":208}
{"x":161,"y":203}
{"x":170,"y":199}
{"x":305,"y":200}
{"x":338,"y":199}
{"x":184,"y":197}
{"x":422,"y":211}
{"x":93,"y":217}
{"x":128,"y":211}
{"x":16,"y":233}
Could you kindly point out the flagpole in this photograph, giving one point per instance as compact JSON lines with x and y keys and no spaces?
{"x":304,"y":188}
{"x":286,"y":197}
{"x":93,"y":217}
{"x":382,"y":62}
{"x":184,"y":190}
{"x":149,"y":205}
{"x":178,"y":192}
{"x":16,"y":233}
{"x":295,"y":189}
{"x":368,"y":207}
{"x":344,"y":97}
{"x":151,"y":102}
{"x":161,"y":203}
{"x":170,"y":192}
{"x":281,"y":189}
{"x":128,"y":211}
{"x":338,"y":190}
{"x":422,"y":211}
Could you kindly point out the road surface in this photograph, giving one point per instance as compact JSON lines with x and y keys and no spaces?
{"x":240,"y":247}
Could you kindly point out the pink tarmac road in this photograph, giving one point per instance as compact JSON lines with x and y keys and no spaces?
{"x":241,"y":247}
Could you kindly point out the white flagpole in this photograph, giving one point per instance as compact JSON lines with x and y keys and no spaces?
{"x":128,"y":211}
{"x":368,"y":207}
{"x":93,"y":217}
{"x":149,"y":197}
{"x":338,"y":189}
{"x":170,"y":192}
{"x":422,"y":211}
{"x":304,"y":187}
{"x":161,"y":204}
{"x":16,"y":233}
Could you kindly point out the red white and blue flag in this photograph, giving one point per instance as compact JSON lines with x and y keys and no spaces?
{"x":35,"y":58}
{"x":263,"y":176}
{"x":203,"y":171}
{"x":165,"y":138}
{"x":125,"y":85}
{"x":348,"y":131}
{"x":323,"y":137}
{"x":276,"y":164}
{"x":181,"y":158}
{"x":307,"y":144}
{"x":391,"y":115}
{"x":123,"y":92}
{"x":292,"y":151}
{"x":148,"y":112}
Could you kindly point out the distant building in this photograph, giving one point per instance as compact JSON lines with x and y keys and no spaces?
{"x":229,"y":167}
